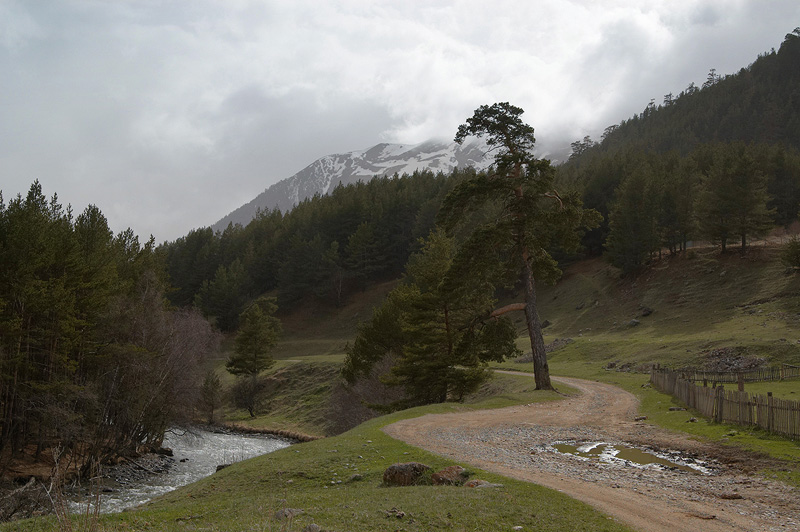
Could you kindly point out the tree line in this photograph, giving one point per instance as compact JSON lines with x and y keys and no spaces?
{"x":93,"y":361}
{"x":725,"y":193}
{"x":758,"y":104}
{"x":321,"y":252}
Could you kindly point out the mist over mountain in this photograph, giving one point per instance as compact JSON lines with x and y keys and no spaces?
{"x":326,"y":173}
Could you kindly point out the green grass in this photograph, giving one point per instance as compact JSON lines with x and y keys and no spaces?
{"x":316,"y":477}
{"x":788,"y":389}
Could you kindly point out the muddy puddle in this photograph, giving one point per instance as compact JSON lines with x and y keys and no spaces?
{"x":622,"y":454}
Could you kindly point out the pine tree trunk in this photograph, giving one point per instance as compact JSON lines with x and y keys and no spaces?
{"x":541,"y":370}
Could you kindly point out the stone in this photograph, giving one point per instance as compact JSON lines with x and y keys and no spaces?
{"x":640,"y":418}
{"x":222,"y":466}
{"x":645,"y":311}
{"x":449,"y":476}
{"x":404,"y":474}
{"x":311,"y":528}
{"x":287,"y":513}
{"x":634,"y":323}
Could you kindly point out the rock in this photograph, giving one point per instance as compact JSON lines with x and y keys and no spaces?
{"x":355,"y":477}
{"x":692,"y":420}
{"x":546,"y":324}
{"x":287,"y":513}
{"x":404,"y":474}
{"x":311,"y":528}
{"x":645,"y":311}
{"x":676,"y":409}
{"x":164,"y":451}
{"x":580,"y":306}
{"x":394,"y":512}
{"x":640,"y":418}
{"x":222,"y":466}
{"x":633,"y":323}
{"x":449,"y":476}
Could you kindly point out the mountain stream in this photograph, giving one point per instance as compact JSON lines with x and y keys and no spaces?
{"x":196,"y":454}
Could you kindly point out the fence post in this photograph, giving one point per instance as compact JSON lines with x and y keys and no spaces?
{"x":719,"y":397}
{"x":770,"y":418}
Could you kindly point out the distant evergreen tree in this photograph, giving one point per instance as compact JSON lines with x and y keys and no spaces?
{"x":633,"y":235}
{"x":258,"y":334}
{"x":224,"y":296}
{"x":733,"y":198}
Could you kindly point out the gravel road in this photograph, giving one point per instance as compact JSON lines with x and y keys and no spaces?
{"x":517,"y":442}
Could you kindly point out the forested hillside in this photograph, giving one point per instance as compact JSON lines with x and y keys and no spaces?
{"x":321,"y":251}
{"x":758,"y":104}
{"x":717,"y":163}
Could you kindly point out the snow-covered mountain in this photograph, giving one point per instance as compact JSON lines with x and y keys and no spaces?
{"x":326,"y":173}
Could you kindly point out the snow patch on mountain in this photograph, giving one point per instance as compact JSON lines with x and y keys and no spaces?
{"x":324,"y":174}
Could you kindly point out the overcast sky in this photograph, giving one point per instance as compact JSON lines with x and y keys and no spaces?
{"x":169,"y":115}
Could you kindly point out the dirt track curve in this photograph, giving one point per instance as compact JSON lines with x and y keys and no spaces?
{"x":514,"y":442}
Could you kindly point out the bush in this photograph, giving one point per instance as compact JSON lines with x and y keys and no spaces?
{"x":791,"y":253}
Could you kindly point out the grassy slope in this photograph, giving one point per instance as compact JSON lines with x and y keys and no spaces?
{"x":701,"y":302}
{"x":307,"y":477}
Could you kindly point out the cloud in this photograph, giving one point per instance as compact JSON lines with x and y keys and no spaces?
{"x":169,"y":116}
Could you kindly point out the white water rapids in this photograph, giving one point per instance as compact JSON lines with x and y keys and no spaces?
{"x":196,"y":455}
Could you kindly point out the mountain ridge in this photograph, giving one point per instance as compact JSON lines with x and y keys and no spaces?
{"x":383,"y":159}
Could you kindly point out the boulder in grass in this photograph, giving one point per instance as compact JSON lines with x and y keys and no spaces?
{"x":404,"y":474}
{"x":449,"y":476}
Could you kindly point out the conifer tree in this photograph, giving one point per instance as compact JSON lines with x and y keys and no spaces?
{"x":632,"y":222}
{"x":430,"y":330}
{"x":258,"y":334}
{"x":532,"y":217}
{"x":259,"y":330}
{"x":733,"y":199}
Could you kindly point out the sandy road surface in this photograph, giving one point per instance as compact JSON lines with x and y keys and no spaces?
{"x":514,"y":442}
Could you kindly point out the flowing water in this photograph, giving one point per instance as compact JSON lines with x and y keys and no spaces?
{"x":196,"y":455}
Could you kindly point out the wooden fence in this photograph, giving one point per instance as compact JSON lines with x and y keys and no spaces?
{"x":757,"y":375}
{"x":775,"y":415}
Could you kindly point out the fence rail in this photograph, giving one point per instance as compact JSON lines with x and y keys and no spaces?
{"x":731,"y":377}
{"x":780,"y":416}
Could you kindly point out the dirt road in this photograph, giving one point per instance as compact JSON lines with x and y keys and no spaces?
{"x":516,"y":442}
